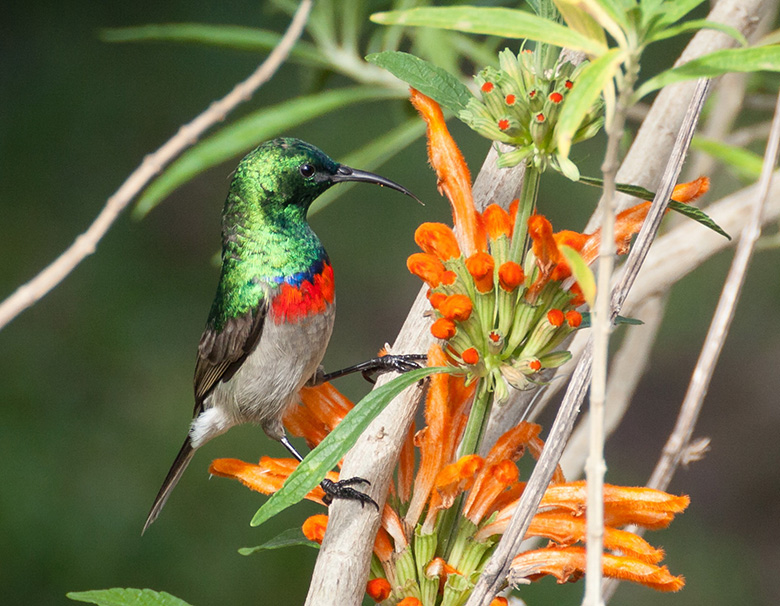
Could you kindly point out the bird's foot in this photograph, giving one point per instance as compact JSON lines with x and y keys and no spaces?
{"x":343,"y":490}
{"x":370,"y":368}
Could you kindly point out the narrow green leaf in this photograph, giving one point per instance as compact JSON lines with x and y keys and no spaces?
{"x":687,"y":210}
{"x":753,"y":59}
{"x":587,"y":321}
{"x":583,"y":95}
{"x":292,"y":537}
{"x":581,"y":272}
{"x":580,"y":21}
{"x":504,"y":22}
{"x":126,"y":597}
{"x":670,"y":11}
{"x":436,"y":83}
{"x":745,"y":162}
{"x":323,"y":458}
{"x":696,"y":25}
{"x":249,"y":131}
{"x":373,"y":155}
{"x":223,"y":36}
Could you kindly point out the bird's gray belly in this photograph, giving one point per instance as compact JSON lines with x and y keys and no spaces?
{"x":268,"y":381}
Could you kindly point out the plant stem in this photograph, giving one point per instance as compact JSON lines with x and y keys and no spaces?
{"x":596,"y":466}
{"x":524,"y":209}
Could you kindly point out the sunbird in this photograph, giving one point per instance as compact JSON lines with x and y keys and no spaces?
{"x":273,"y":313}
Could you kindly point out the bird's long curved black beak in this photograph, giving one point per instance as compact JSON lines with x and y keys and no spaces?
{"x":345,"y":173}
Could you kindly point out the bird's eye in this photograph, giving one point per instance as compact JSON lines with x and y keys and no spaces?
{"x":307,"y":170}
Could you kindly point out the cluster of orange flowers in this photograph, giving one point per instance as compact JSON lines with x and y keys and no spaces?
{"x":500,"y":313}
{"x":411,"y":564}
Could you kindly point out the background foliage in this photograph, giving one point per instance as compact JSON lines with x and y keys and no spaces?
{"x":96,"y":378}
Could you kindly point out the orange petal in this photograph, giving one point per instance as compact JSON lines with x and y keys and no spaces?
{"x":410,"y":601}
{"x":383,"y":545}
{"x":481,"y":265}
{"x":510,"y":276}
{"x":497,"y":222}
{"x":443,"y":329}
{"x":426,"y":267}
{"x":437,"y":239}
{"x":314,"y":527}
{"x":687,"y":192}
{"x":327,"y":404}
{"x":405,"y":474}
{"x":568,"y":564}
{"x":497,"y":480}
{"x":452,"y":172}
{"x":379,"y":589}
{"x":456,"y":308}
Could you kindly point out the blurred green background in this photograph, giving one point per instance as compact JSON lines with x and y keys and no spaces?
{"x":97,"y":378}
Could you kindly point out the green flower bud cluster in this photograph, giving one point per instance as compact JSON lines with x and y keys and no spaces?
{"x":520,"y":104}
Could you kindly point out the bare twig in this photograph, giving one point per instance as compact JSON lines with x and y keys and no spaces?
{"x":30,"y":293}
{"x":679,"y":442}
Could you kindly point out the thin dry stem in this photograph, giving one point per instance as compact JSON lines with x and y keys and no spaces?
{"x":31,"y":292}
{"x":679,"y":443}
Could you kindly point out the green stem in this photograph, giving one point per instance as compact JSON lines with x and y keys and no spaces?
{"x":447,"y":526}
{"x":524,"y":209}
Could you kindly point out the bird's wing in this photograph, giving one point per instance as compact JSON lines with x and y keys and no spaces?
{"x":221,"y":353}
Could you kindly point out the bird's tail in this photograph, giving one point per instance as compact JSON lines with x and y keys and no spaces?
{"x":174,"y":474}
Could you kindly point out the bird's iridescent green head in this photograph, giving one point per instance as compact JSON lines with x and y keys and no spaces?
{"x":284,"y":176}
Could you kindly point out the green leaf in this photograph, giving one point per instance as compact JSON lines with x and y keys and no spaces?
{"x":687,"y":210}
{"x":249,"y":131}
{"x":580,"y":21}
{"x":747,"y":163}
{"x":292,"y":537}
{"x":586,"y":320}
{"x":504,"y":22}
{"x":323,"y":458}
{"x":581,"y":272}
{"x":586,"y":90}
{"x":371,"y":156}
{"x":430,"y":80}
{"x":754,"y":59}
{"x":126,"y":597}
{"x":669,"y":12}
{"x":696,"y":25}
{"x":224,"y":36}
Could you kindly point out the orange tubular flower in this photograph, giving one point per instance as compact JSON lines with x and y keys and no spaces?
{"x":456,"y":308}
{"x":443,"y":329}
{"x":378,"y":589}
{"x":452,"y":172}
{"x":426,"y":267}
{"x":568,"y":564}
{"x":510,"y":276}
{"x":481,"y":266}
{"x":497,"y":222}
{"x":410,"y":601}
{"x":437,"y":239}
{"x":314,"y":527}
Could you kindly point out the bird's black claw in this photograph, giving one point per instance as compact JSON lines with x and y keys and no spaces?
{"x":343,"y":490}
{"x":393,"y":363}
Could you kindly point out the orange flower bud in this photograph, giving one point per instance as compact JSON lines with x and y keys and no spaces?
{"x":436,"y":299}
{"x":480,"y":266}
{"x":470,"y":356}
{"x":535,"y":365}
{"x":426,"y":267}
{"x":574,"y":318}
{"x":688,"y":192}
{"x":456,"y":308}
{"x":510,"y":276}
{"x":410,"y":601}
{"x":378,"y":589}
{"x":555,"y":317}
{"x":448,"y":278}
{"x":499,"y":601}
{"x":497,"y":222}
{"x":314,"y":527}
{"x":437,"y":239}
{"x":443,"y":329}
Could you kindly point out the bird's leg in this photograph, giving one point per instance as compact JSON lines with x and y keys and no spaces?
{"x":336,"y":490}
{"x":369,"y":368}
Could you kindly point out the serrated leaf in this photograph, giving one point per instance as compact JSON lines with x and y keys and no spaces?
{"x":586,"y":90}
{"x":695,"y":25}
{"x":430,"y":80}
{"x":126,"y":597}
{"x":292,"y":537}
{"x":327,"y":454}
{"x":586,"y":320}
{"x":245,"y":133}
{"x":581,"y":272}
{"x":689,"y":211}
{"x":754,"y":59}
{"x":745,"y":162}
{"x":504,"y":22}
{"x":223,"y":36}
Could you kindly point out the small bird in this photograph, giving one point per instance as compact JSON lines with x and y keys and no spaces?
{"x":272,"y":316}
